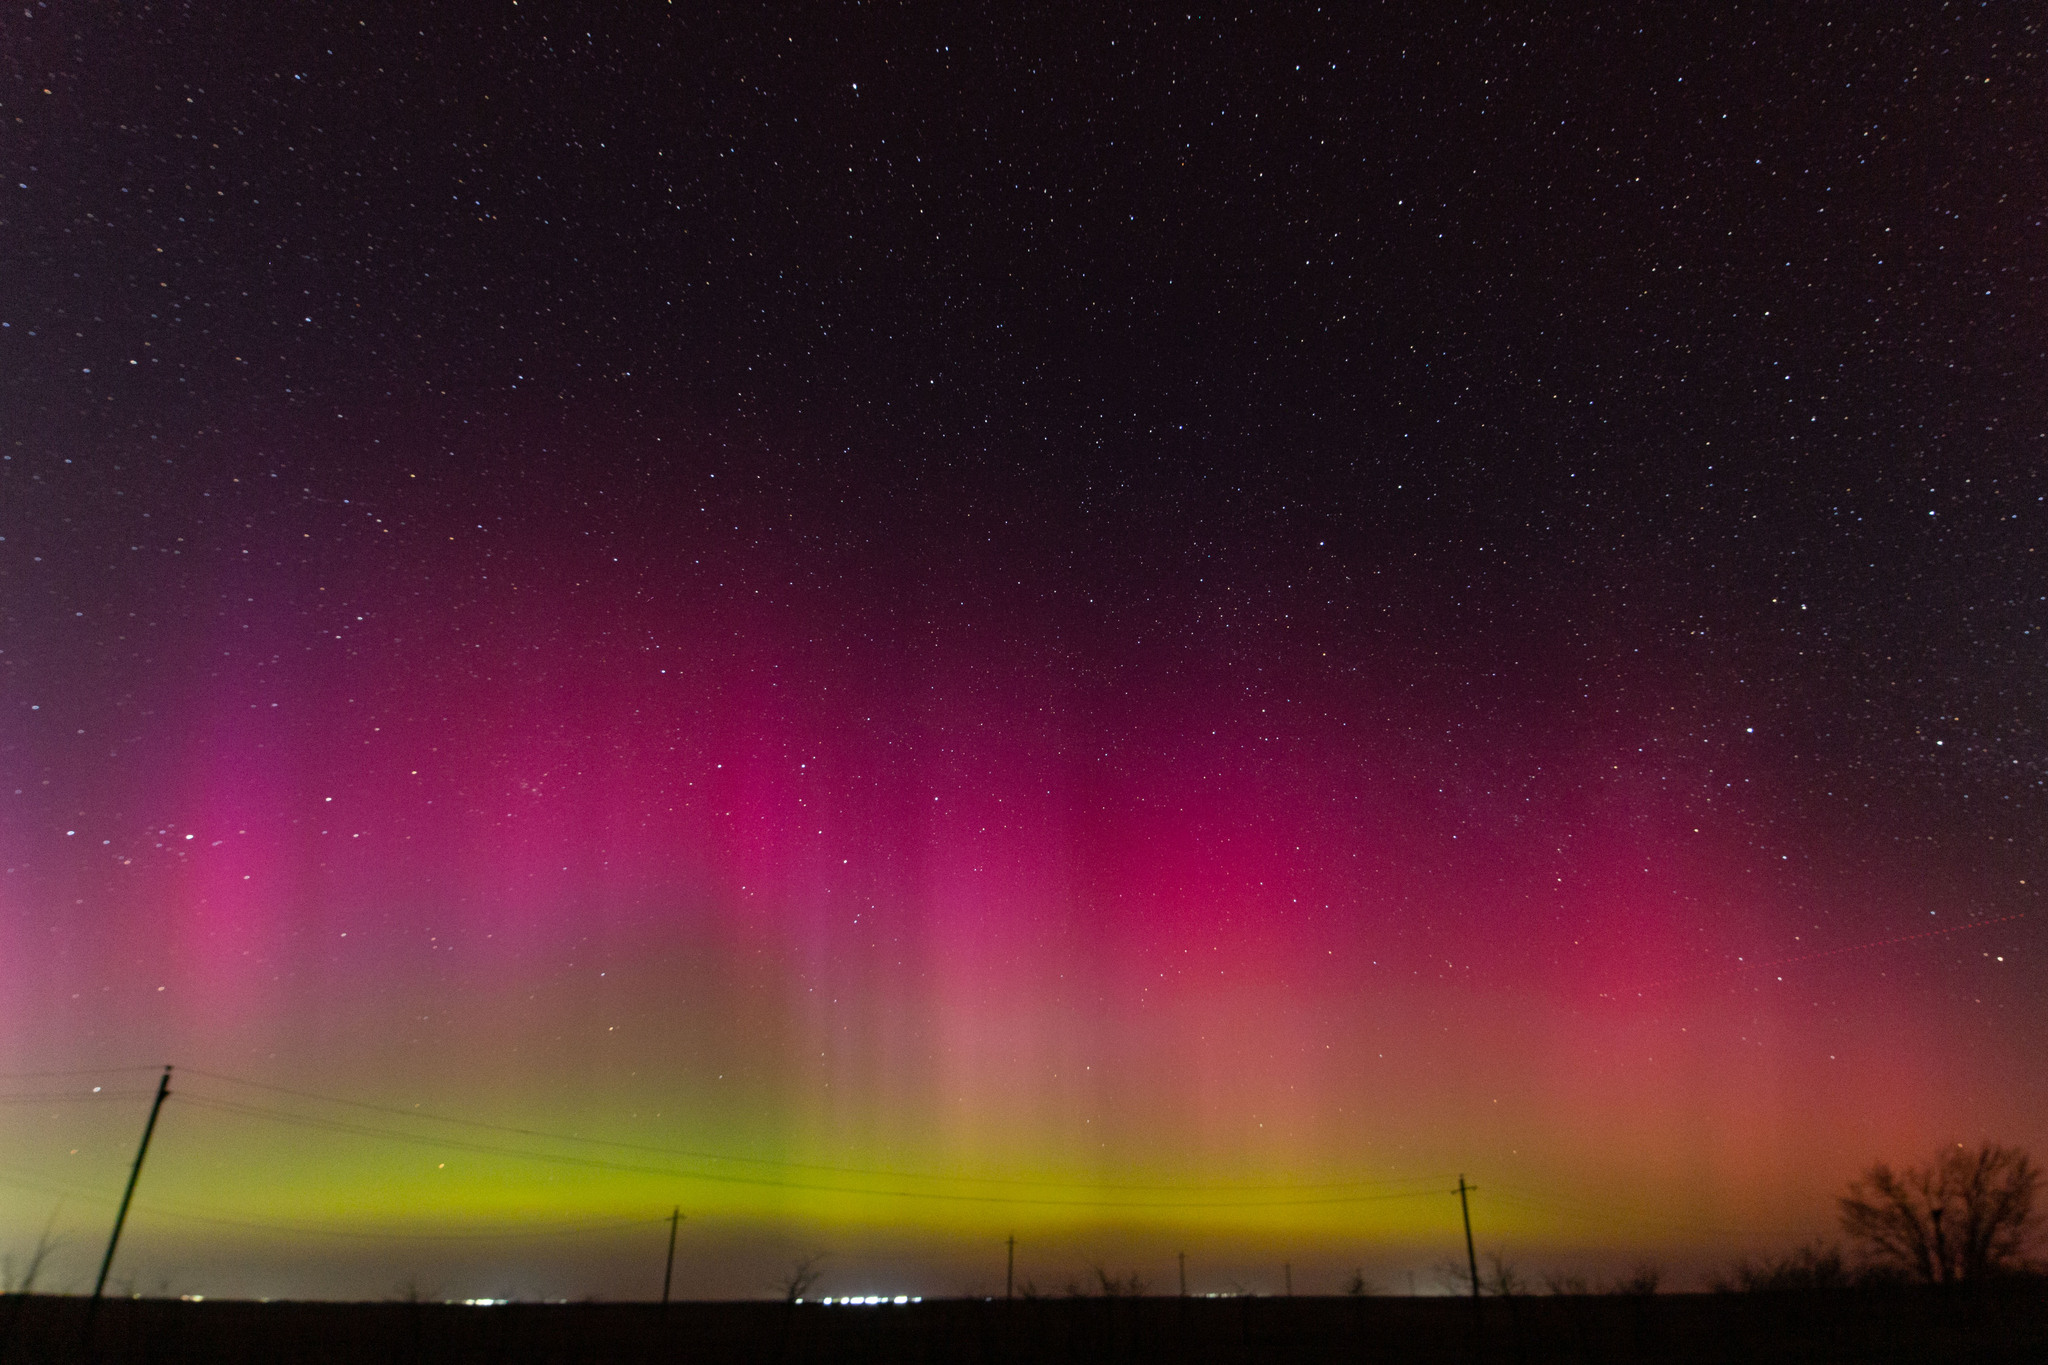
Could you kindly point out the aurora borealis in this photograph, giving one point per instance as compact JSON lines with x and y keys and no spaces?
{"x":1153,"y":635}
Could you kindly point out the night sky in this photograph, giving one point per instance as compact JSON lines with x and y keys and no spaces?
{"x":898,"y":624}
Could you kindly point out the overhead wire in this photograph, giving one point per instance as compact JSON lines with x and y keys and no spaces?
{"x":728,"y":1178}
{"x":158,"y":1209}
{"x":1218,"y":1197}
{"x":1606,"y":1212}
{"x":45,"y":1187}
{"x":523,"y":1232}
{"x":780,"y":1163}
{"x":75,"y":1071}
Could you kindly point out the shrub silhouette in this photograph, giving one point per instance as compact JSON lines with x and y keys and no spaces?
{"x":1130,"y":1287}
{"x":1963,"y":1216}
{"x":801,"y":1277}
{"x":1810,"y":1267}
{"x":23,"y":1281}
{"x":1640,"y":1282}
{"x":1501,"y":1278}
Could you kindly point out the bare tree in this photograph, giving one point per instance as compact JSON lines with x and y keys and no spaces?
{"x":1130,"y":1287}
{"x":1501,"y":1278}
{"x":801,"y":1277}
{"x":1360,"y":1287}
{"x":1452,"y":1275}
{"x":408,"y":1290}
{"x":1963,"y":1216}
{"x":1810,"y":1267}
{"x":1640,"y":1282}
{"x":24,"y":1280}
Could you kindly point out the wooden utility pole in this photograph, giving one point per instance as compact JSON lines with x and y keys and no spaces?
{"x":1472,"y":1259}
{"x":163,"y":1092}
{"x":1183,"y":1274}
{"x":1010,"y":1271}
{"x":668,"y":1276}
{"x":1471,"y":1256}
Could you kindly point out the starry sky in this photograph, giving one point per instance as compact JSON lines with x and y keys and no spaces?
{"x":896,"y":624}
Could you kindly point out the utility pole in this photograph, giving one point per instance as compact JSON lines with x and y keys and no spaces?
{"x":1471,"y":1256}
{"x":1010,"y":1271}
{"x":1183,"y":1274}
{"x":1472,"y":1259}
{"x":668,"y":1276}
{"x":163,"y":1092}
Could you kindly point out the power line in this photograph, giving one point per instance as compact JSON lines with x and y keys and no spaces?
{"x":1604,"y":1213}
{"x":532,"y":1230}
{"x":67,"y":1191}
{"x":174,"y":1211}
{"x":779,"y":1164}
{"x":77,"y":1071}
{"x":599,"y":1163}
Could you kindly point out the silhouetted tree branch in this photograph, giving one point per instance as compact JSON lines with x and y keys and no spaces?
{"x":1501,"y":1278}
{"x":1965,"y":1215}
{"x":24,"y":1281}
{"x":801,"y":1277}
{"x":1131,"y":1287}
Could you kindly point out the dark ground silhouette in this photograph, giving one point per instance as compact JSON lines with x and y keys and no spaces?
{"x":1992,"y":1322}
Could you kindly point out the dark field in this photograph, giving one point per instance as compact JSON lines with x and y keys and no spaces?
{"x":1996,"y":1323}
